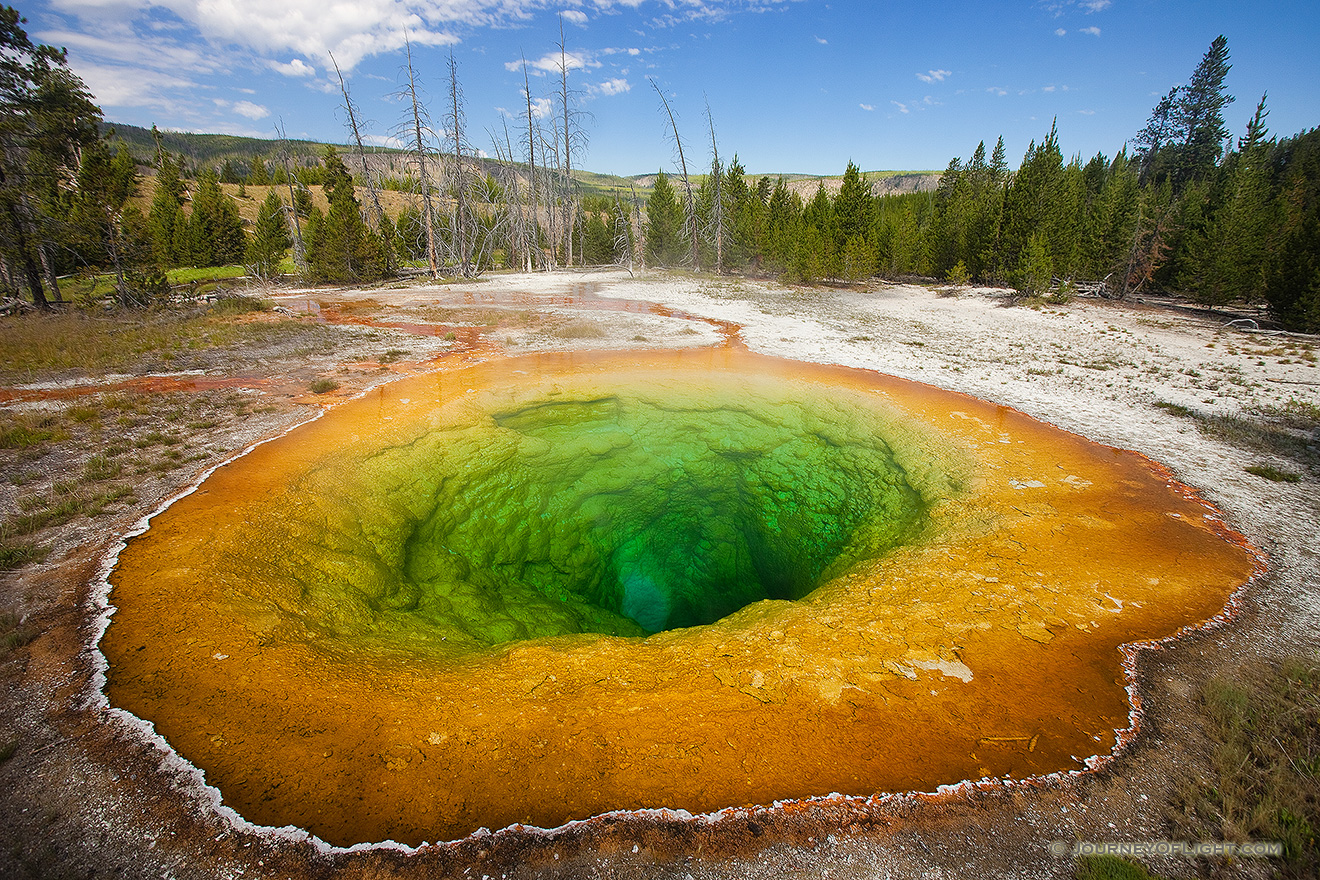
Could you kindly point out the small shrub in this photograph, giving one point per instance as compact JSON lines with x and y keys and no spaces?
{"x":1272,"y":473}
{"x":958,"y":276}
{"x":323,"y":385}
{"x":240,"y":305}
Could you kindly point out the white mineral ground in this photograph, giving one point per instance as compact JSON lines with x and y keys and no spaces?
{"x":83,"y":796}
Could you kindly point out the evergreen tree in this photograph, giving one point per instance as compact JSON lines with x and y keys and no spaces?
{"x":1292,"y":277}
{"x":1199,"y":116}
{"x":215,"y":230}
{"x":1037,"y":270}
{"x":259,"y":175}
{"x":665,"y":243}
{"x":1225,"y":255}
{"x":104,"y":185}
{"x":340,"y":247}
{"x":741,"y":216}
{"x":167,"y":210}
{"x":47,"y":119}
{"x":783,"y":223}
{"x":597,"y":241}
{"x":1036,"y":202}
{"x":852,"y":207}
{"x":1292,"y":281}
{"x":951,"y":224}
{"x":270,"y":238}
{"x":1183,"y":139}
{"x":819,"y":237}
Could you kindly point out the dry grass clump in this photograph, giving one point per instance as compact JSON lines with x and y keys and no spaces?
{"x":580,"y":330}
{"x":1262,"y":724}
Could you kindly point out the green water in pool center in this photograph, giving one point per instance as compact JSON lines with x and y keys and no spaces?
{"x":628,"y":516}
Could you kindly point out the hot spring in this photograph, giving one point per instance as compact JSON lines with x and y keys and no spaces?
{"x":539,"y":589}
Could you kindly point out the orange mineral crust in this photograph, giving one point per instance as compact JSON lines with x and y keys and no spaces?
{"x":537,"y":589}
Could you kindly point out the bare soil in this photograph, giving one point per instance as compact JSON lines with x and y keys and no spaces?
{"x":82,"y":795}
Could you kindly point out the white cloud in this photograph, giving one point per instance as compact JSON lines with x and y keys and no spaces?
{"x":1048,"y":89}
{"x":822,"y":41}
{"x":931,"y":76}
{"x":902,"y":108}
{"x":351,"y":29}
{"x":867,"y":107}
{"x":613,"y":87}
{"x":1059,"y":32}
{"x":550,"y":63}
{"x":575,"y":16}
{"x":1095,"y":5}
{"x":1087,"y":112}
{"x":296,"y":68}
{"x":1093,"y":31}
{"x":384,"y":140}
{"x":996,"y":90}
{"x":250,"y":110}
{"x":146,"y":88}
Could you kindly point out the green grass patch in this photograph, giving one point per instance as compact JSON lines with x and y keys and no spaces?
{"x":1176,"y":408}
{"x":1272,"y":473}
{"x":16,"y":554}
{"x":14,"y":633}
{"x":1109,"y":868}
{"x":64,"y":503}
{"x":322,"y":386}
{"x":193,"y":275}
{"x":20,"y":432}
{"x":102,"y":467}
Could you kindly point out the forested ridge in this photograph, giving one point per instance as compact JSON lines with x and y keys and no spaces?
{"x":1190,"y":210}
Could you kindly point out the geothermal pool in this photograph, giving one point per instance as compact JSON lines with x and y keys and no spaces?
{"x":537,"y":589}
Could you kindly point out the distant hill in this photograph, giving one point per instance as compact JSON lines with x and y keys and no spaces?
{"x":216,"y":149}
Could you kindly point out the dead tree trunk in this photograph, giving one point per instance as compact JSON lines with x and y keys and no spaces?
{"x":691,"y":207}
{"x":717,"y":202}
{"x":462,"y":210}
{"x":568,"y":148}
{"x":368,"y":179}
{"x":424,"y":178}
{"x":290,"y":178}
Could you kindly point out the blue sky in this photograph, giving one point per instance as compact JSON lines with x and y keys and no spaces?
{"x":793,"y":85}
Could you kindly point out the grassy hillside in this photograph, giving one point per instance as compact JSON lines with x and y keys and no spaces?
{"x":216,"y":149}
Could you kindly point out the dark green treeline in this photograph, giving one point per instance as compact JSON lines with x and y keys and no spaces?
{"x":1182,"y":214}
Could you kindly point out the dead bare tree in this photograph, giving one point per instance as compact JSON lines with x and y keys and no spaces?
{"x":455,"y":120}
{"x":574,"y":138}
{"x":532,"y":136}
{"x":717,"y":202}
{"x":520,"y":238}
{"x":291,"y":178}
{"x":690,"y":206}
{"x":418,"y":149}
{"x":368,"y":179}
